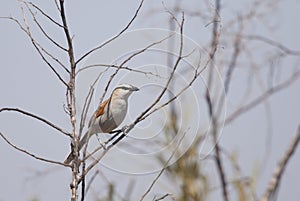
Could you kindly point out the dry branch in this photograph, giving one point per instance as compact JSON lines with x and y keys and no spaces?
{"x":118,"y":66}
{"x":179,"y":58}
{"x":46,"y":15}
{"x":163,"y":169}
{"x":37,"y":46}
{"x":162,"y":197}
{"x":71,"y":103}
{"x":278,"y":173}
{"x":116,"y":36}
{"x":216,"y":31}
{"x":30,"y":154}
{"x":271,"y":91}
{"x":35,"y":117}
{"x":42,"y":29}
{"x":128,"y":59}
{"x":273,"y":43}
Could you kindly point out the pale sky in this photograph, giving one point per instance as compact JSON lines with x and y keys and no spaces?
{"x":27,"y":83}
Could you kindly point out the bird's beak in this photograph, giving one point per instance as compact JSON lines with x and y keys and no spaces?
{"x":134,"y":89}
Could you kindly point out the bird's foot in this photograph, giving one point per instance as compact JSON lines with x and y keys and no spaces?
{"x":124,"y":129}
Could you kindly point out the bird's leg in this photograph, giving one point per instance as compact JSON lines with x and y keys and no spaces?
{"x":115,"y":131}
{"x":114,"y":136}
{"x":118,"y":139}
{"x":124,"y":129}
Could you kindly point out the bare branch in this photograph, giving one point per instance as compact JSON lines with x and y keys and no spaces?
{"x":216,"y":31}
{"x":83,"y":118}
{"x":196,"y":75}
{"x":262,"y":97}
{"x":277,"y":175}
{"x":37,"y":118}
{"x":30,"y":154}
{"x":49,"y":38}
{"x":232,"y":63}
{"x":163,"y":169}
{"x":118,"y":66}
{"x":86,"y":105}
{"x":162,"y":197}
{"x":41,"y":28}
{"x":72,"y":106}
{"x":220,"y":169}
{"x":57,"y":6}
{"x":115,"y":37}
{"x":179,"y":58}
{"x":37,"y":46}
{"x":173,"y":17}
{"x":273,"y":43}
{"x":91,"y":181}
{"x":40,"y":49}
{"x":68,"y":36}
{"x":95,"y":162}
{"x":128,"y":59}
{"x":45,"y":14}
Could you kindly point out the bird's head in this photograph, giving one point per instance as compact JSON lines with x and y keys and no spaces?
{"x":124,"y":90}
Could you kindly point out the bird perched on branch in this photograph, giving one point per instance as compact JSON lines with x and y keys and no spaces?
{"x":109,"y":115}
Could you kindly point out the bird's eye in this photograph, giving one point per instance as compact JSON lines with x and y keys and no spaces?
{"x":124,"y":88}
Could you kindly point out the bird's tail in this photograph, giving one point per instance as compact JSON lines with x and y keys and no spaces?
{"x":81,"y":143}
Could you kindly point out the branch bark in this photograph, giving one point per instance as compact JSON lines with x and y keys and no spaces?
{"x":115,"y":37}
{"x":30,"y":154}
{"x":35,"y":117}
{"x":278,"y":173}
{"x":71,"y":104}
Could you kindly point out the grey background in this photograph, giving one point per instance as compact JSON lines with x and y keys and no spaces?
{"x":25,"y":82}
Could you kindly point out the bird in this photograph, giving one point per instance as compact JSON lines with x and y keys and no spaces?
{"x":108,"y":116}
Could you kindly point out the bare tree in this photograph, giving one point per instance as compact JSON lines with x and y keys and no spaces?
{"x":183,"y":168}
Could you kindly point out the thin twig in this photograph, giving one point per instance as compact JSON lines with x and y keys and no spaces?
{"x":278,"y":173}
{"x":118,"y":66}
{"x":35,"y":117}
{"x":188,"y":85}
{"x":179,"y":58}
{"x":216,"y":31}
{"x":273,"y":43}
{"x":235,"y":55}
{"x":87,"y":102}
{"x":116,"y":36}
{"x":57,"y":6}
{"x":96,"y":161}
{"x":91,"y":181}
{"x":141,"y":116}
{"x":41,"y":28}
{"x":30,"y":154}
{"x":110,"y":80}
{"x":128,"y":59}
{"x":163,"y":169}
{"x":36,"y":45}
{"x":83,"y":118}
{"x":45,"y":14}
{"x":162,"y":197}
{"x":49,"y":38}
{"x":262,"y":97}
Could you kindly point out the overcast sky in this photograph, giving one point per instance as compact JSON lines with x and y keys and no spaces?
{"x":25,"y":82}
